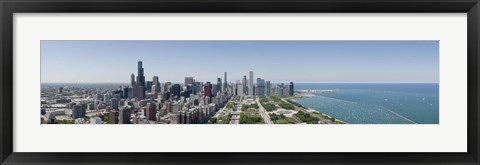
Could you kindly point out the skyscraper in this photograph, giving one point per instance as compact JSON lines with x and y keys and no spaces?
{"x":176,"y":88}
{"x":268,"y":90}
{"x":189,"y":89}
{"x":149,"y":86}
{"x":106,"y":98}
{"x":244,"y":83}
{"x":225,"y":83}
{"x":140,"y":92}
{"x":250,"y":83}
{"x":124,"y":115}
{"x":151,"y":111}
{"x":125,"y":92}
{"x":154,"y":90}
{"x":131,"y":93}
{"x":188,"y":80}
{"x":240,"y":89}
{"x":219,"y":84}
{"x":166,"y":87}
{"x":114,"y":103}
{"x":281,"y":90}
{"x":290,"y":89}
{"x":78,"y":111}
{"x":132,"y":80}
{"x":113,"y":117}
{"x":140,"y":82}
{"x":207,"y":89}
{"x":140,"y":76}
{"x":156,"y":83}
{"x":260,"y":90}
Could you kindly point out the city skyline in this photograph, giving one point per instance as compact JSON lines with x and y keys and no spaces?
{"x":278,"y":61}
{"x":243,"y":102}
{"x":150,"y":102}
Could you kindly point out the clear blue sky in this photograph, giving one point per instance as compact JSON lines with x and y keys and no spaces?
{"x":277,"y":61}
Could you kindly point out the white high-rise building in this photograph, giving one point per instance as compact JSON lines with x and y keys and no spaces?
{"x":132,"y":80}
{"x":106,"y":98}
{"x":154,"y":89}
{"x":250,"y":83}
{"x":239,"y":89}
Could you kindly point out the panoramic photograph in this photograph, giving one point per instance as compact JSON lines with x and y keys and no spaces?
{"x":239,"y":82}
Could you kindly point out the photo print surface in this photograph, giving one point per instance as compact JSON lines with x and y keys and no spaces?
{"x":239,"y":82}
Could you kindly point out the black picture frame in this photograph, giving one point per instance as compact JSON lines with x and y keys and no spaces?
{"x":9,"y":7}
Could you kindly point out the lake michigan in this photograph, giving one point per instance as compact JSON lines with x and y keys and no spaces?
{"x":375,"y":103}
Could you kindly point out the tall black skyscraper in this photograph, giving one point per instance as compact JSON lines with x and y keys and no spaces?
{"x":219,"y":84}
{"x":149,"y":86}
{"x":156,"y":83}
{"x":140,"y":87}
{"x":176,"y":90}
{"x":225,"y":83}
{"x":140,"y":76}
{"x":244,"y":83}
{"x":125,"y":92}
{"x":290,"y":89}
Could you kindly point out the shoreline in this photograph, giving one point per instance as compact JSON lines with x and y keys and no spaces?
{"x":313,"y":111}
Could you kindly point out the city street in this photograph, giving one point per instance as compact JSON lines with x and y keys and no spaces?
{"x":263,"y":112}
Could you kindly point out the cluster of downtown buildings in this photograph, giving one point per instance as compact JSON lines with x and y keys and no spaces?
{"x":152,"y":102}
